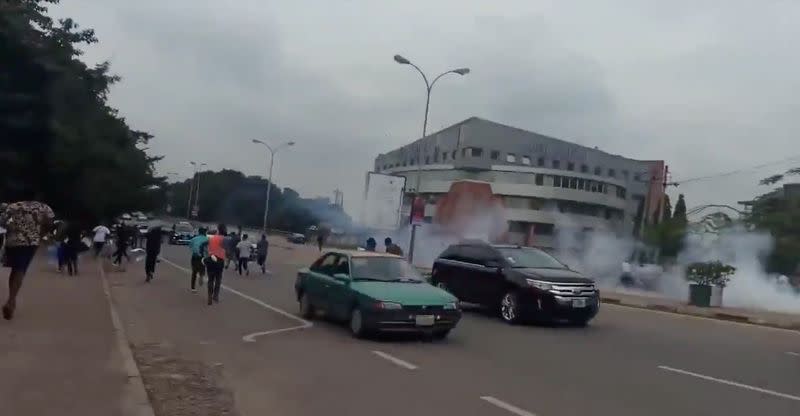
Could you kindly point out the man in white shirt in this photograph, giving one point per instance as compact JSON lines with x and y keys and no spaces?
{"x":101,"y":233}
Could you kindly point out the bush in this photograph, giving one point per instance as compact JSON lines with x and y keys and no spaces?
{"x":711,"y":273}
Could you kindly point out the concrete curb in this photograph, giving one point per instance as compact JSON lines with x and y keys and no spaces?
{"x":700,"y":312}
{"x":136,"y":400}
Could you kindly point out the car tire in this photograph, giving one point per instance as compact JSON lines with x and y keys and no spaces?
{"x":307,"y":310}
{"x":356,"y":323}
{"x":580,"y":323}
{"x":509,"y":308}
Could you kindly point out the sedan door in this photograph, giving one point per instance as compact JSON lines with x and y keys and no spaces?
{"x":318,"y":281}
{"x":340,"y":295}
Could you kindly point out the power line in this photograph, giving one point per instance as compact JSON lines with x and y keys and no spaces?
{"x":735,"y":172}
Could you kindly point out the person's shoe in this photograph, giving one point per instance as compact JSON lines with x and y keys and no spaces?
{"x":148,"y":278}
{"x":210,"y":301}
{"x":194,"y":290}
{"x":216,"y":298}
{"x":8,"y":312}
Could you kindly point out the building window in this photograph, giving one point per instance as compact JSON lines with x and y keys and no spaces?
{"x":557,"y":181}
{"x":427,"y":160}
{"x":412,"y":162}
{"x":454,"y":154}
{"x":540,"y":162}
{"x":570,"y":166}
{"x":584,"y":169}
{"x":637,"y":177}
{"x":526,"y":160}
{"x":444,"y":157}
{"x":598,"y":171}
{"x":539,"y":180}
{"x":625,"y":174}
{"x":565,"y":182}
{"x":612,"y":173}
{"x":581,"y":184}
{"x":621,"y":192}
{"x":511,"y":158}
{"x":495,"y":155}
{"x":405,"y":163}
{"x":573,"y":183}
{"x":556,"y":164}
{"x":436,"y":157}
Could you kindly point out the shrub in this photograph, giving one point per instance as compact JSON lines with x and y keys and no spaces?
{"x":711,"y":273}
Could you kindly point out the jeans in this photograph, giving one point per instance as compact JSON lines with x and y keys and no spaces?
{"x":122,"y":250}
{"x":198,"y":269}
{"x":214,"y":272}
{"x":242,"y":265}
{"x":150,"y":263}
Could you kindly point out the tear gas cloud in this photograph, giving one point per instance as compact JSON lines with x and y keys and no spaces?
{"x":600,"y":253}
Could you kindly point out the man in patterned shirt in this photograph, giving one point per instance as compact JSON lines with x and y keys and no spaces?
{"x":25,"y":222}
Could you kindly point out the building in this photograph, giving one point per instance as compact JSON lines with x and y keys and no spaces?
{"x":540,"y":180}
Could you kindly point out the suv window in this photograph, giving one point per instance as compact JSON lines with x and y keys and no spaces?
{"x":325,"y":264}
{"x":479,"y":255}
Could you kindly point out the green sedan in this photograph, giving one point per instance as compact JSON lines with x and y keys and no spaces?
{"x":375,"y":292}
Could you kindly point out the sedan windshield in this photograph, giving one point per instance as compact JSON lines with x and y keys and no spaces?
{"x":530,"y":258}
{"x":184,"y":229}
{"x":385,"y":269}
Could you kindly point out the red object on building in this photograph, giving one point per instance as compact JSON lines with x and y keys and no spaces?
{"x":472,"y":207}
{"x":418,"y":210}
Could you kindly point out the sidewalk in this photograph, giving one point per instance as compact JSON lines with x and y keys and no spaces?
{"x":61,"y":354}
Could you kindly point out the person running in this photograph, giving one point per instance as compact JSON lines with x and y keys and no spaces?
{"x":262,"y":248}
{"x":123,"y":238}
{"x":25,"y":223}
{"x":199,"y":245}
{"x":152,"y":250}
{"x":243,"y":252}
{"x":72,"y":246}
{"x":101,"y":233}
{"x":215,"y":262}
{"x":231,"y":244}
{"x":392,"y":248}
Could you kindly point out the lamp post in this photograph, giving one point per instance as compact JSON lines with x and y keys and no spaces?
{"x":428,"y":87}
{"x":272,"y":152}
{"x":197,"y":188}
{"x":191,"y":190}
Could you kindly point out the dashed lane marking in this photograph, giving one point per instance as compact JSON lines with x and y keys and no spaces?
{"x":405,"y":364}
{"x":731,"y":383}
{"x":507,"y":406}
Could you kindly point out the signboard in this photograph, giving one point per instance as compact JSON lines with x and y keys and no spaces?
{"x":418,"y":211}
{"x":383,"y":198}
{"x":194,"y":211}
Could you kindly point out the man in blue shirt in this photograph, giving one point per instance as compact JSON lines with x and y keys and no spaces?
{"x":199,"y":246}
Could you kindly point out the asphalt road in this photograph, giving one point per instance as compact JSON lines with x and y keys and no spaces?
{"x":627,"y":362}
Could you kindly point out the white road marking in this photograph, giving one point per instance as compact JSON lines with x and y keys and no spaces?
{"x":704,"y":318}
{"x":506,"y":406}
{"x":793,"y":354}
{"x":405,"y":364}
{"x":252,"y":337}
{"x":731,"y":383}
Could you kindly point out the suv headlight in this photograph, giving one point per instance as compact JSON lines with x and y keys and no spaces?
{"x":389,"y":305}
{"x":539,"y":284}
{"x":451,"y":306}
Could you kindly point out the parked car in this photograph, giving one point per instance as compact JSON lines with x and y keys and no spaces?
{"x":375,"y":292}
{"x":520,"y":283}
{"x":296,"y":238}
{"x":183,"y":233}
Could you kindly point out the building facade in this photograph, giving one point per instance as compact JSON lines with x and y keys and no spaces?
{"x":541,"y":180}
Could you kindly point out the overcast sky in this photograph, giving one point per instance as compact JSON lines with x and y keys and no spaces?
{"x":708,"y":86}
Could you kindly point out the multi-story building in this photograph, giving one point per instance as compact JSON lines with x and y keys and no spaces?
{"x":540,"y":180}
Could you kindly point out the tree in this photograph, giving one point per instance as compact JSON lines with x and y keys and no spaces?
{"x":60,"y":137}
{"x":778,"y":214}
{"x":668,"y":207}
{"x":679,"y":215}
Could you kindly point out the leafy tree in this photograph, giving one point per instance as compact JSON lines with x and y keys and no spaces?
{"x":679,"y":215}
{"x":60,"y":137}
{"x":668,"y":207}
{"x":779,"y":214}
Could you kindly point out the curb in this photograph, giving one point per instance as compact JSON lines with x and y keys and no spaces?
{"x":719,"y":316}
{"x":136,"y":400}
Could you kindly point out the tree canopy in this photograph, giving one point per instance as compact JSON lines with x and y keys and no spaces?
{"x":61,"y":141}
{"x":778,"y":212}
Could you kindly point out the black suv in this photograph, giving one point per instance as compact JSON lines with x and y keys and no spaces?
{"x":518,"y":282}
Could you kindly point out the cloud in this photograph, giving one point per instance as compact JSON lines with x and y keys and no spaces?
{"x":708,"y":87}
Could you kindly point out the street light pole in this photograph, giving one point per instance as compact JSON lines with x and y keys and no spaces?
{"x":269,"y":180}
{"x":191,"y":190}
{"x":428,"y":88}
{"x":197,"y":190}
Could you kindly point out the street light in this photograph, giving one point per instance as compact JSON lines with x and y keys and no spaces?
{"x":191,"y":188}
{"x":428,"y":87}
{"x":272,"y":152}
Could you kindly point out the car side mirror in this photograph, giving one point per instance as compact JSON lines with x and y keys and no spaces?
{"x":342,"y":277}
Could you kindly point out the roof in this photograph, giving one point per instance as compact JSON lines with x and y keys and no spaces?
{"x":356,"y":253}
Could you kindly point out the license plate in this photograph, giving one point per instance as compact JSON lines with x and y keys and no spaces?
{"x":425,"y":320}
{"x":579,"y":303}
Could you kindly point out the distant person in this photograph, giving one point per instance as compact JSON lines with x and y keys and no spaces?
{"x":101,"y":233}
{"x":392,"y":248}
{"x":199,"y":246}
{"x":152,"y":250}
{"x":72,"y":246}
{"x":262,"y":248}
{"x":243,"y":253}
{"x":231,"y":248}
{"x":25,"y":223}
{"x":215,"y":262}
{"x":372,"y":245}
{"x":320,"y":241}
{"x":123,"y":237}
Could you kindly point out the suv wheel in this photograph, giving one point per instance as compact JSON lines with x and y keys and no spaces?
{"x":509,"y":308}
{"x":357,"y":323}
{"x":306,"y":308}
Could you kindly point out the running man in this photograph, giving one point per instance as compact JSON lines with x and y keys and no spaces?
{"x":101,"y":233}
{"x":123,"y":236}
{"x":152,"y":249}
{"x":25,"y":223}
{"x":262,"y":247}
{"x":215,"y":262}
{"x":243,"y":251}
{"x":199,"y":246}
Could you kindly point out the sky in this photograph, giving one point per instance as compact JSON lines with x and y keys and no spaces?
{"x":706,"y":86}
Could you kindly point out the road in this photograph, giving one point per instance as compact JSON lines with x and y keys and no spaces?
{"x":627,"y":362}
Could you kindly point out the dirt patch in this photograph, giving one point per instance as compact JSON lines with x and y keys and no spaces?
{"x":180,"y":387}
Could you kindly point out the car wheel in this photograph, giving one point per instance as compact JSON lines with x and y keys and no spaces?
{"x":306,"y":308}
{"x":509,"y":308}
{"x":357,"y":323}
{"x":580,"y":323}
